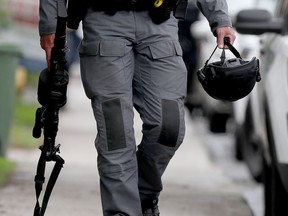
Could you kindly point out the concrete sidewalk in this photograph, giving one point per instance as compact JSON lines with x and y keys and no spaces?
{"x":193,"y":185}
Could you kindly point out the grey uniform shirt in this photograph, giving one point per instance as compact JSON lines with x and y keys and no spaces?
{"x":216,"y":12}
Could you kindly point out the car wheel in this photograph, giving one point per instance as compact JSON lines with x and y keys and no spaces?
{"x":267,"y":188}
{"x":252,"y":148}
{"x":275,"y":194}
{"x":239,"y":142}
{"x":217,"y":122}
{"x":253,"y":158}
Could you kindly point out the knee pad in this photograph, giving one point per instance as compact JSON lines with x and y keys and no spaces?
{"x":114,"y":124}
{"x":170,"y":123}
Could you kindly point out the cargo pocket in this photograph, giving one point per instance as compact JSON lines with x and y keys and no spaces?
{"x":168,"y":71}
{"x":102,"y":48}
{"x":165,"y":49}
{"x":89,"y":48}
{"x":102,"y":66}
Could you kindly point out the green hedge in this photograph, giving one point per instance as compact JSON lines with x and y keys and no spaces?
{"x":23,"y":122}
{"x":6,"y":167}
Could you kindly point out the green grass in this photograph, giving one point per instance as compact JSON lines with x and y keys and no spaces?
{"x":21,"y":136}
{"x":23,"y":122}
{"x":24,"y":116}
{"x":21,"y":128}
{"x":6,"y":167}
{"x":24,"y":113}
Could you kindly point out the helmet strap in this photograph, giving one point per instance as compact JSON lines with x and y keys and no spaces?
{"x":231,"y":48}
{"x":223,"y":56}
{"x":206,"y":63}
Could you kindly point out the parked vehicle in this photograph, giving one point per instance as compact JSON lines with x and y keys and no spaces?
{"x":266,"y":124}
{"x":247,"y":144}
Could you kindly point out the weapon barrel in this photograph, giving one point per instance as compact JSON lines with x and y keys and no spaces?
{"x":60,"y":35}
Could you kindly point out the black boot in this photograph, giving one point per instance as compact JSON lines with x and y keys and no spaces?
{"x":150,"y":207}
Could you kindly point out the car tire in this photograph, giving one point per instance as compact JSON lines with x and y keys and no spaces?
{"x":218,"y":122}
{"x":252,"y":147}
{"x":267,"y":188}
{"x":239,"y":135}
{"x":252,"y":154}
{"x":275,"y":194}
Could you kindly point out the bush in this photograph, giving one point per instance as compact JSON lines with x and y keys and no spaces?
{"x":6,"y":167}
{"x":24,"y":115}
{"x":5,"y":18}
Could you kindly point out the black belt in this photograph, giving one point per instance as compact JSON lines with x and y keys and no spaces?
{"x":112,"y":6}
{"x":159,"y":13}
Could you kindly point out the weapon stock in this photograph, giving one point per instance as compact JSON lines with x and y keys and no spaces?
{"x":52,"y":88}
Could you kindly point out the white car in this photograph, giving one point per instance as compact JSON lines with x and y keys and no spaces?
{"x":247,"y":144}
{"x":266,"y":118}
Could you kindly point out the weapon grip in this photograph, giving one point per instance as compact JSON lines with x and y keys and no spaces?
{"x":36,"y":133}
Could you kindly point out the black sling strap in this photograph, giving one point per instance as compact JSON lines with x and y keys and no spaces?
{"x":39,"y":181}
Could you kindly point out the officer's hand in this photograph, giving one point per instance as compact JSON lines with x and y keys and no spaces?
{"x":224,"y":32}
{"x":47,"y":43}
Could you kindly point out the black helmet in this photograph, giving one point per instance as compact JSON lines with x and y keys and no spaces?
{"x":231,"y":79}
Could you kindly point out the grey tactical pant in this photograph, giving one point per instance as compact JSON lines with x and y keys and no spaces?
{"x":127,"y":61}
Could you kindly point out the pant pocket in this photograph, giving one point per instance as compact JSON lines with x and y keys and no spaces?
{"x":103,"y":67}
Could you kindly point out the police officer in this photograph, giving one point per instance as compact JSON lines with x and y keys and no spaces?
{"x":130,"y":57}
